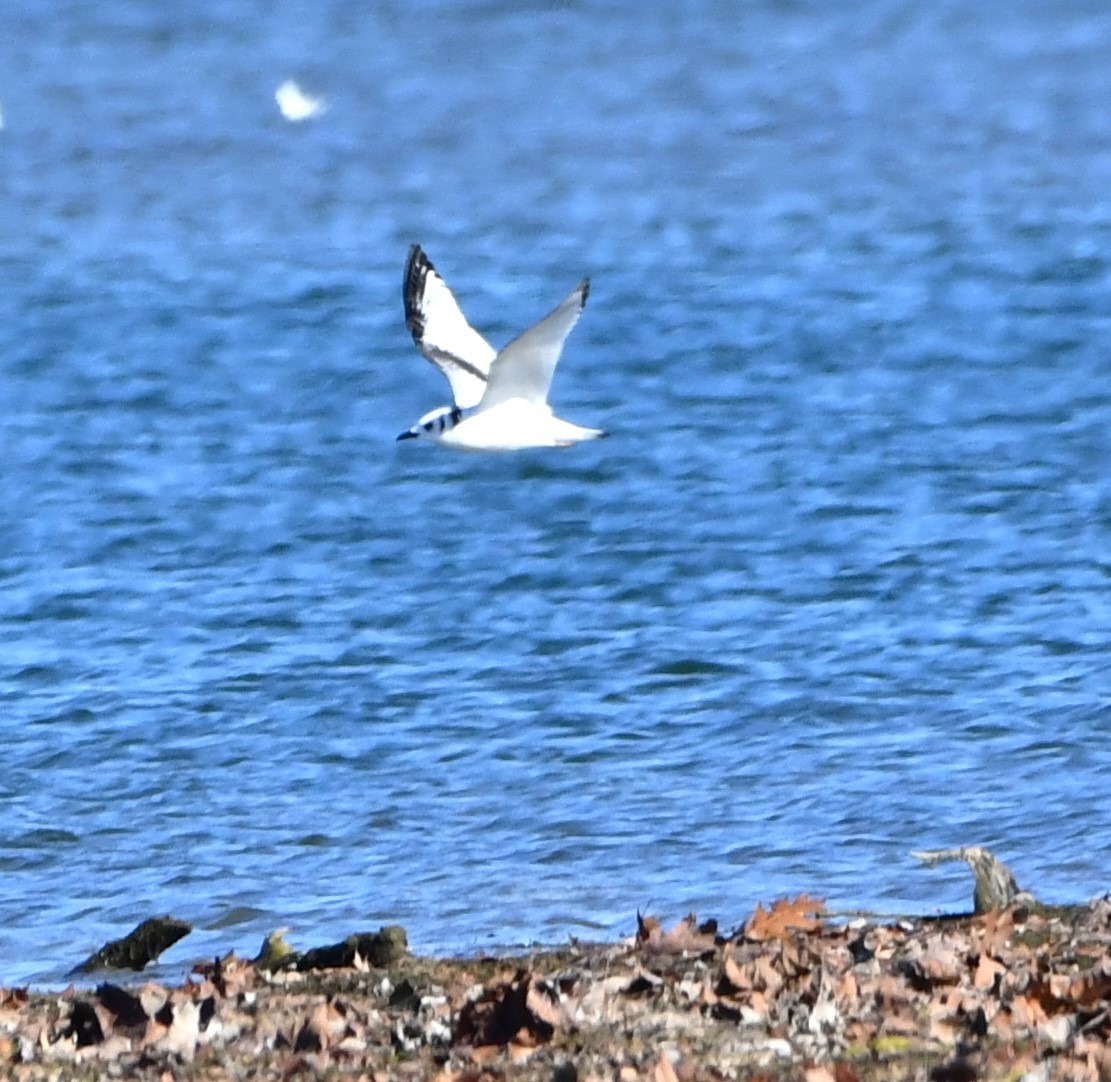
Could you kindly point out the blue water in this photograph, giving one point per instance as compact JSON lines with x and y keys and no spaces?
{"x":838,"y":587}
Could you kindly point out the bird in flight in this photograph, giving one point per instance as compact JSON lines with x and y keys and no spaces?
{"x":500,"y":399}
{"x":295,"y":105}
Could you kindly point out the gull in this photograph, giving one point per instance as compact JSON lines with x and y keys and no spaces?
{"x":500,"y":399}
{"x":295,"y":104}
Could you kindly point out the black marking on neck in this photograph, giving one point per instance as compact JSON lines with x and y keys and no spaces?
{"x":441,"y":420}
{"x":446,"y":421}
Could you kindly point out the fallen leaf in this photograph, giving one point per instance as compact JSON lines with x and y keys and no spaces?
{"x":521,"y":1047}
{"x":735,"y":979}
{"x":184,"y":1030}
{"x":1097,"y":1059}
{"x":324,"y":1024}
{"x":1028,"y":1011}
{"x":801,"y":914}
{"x":649,"y":930}
{"x":89,"y":1023}
{"x":684,"y":938}
{"x":940,"y":964}
{"x":540,"y":1004}
{"x":847,"y":991}
{"x":126,"y":1009}
{"x":987,"y":973}
{"x":504,"y":1010}
{"x":1089,"y":989}
{"x":795,"y":959}
{"x":996,"y":928}
{"x":663,"y":1070}
{"x":890,"y":992}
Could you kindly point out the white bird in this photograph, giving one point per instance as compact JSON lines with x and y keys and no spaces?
{"x":295,"y":104}
{"x":500,"y":399}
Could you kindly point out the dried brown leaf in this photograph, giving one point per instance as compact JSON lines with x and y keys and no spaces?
{"x":945,"y":1029}
{"x":795,"y":958}
{"x":860,"y":1031}
{"x":1089,"y":989}
{"x":663,"y":1070}
{"x":649,"y":930}
{"x":1097,"y":1058}
{"x":184,"y":1030}
{"x":504,"y":1010}
{"x":890,"y":991}
{"x":324,"y":1024}
{"x":768,"y":976}
{"x":683,"y":938}
{"x":940,"y":964}
{"x":996,"y":928}
{"x":847,"y":991}
{"x":736,"y":980}
{"x":753,"y":982}
{"x":801,"y":914}
{"x":1028,"y":1010}
{"x":541,"y":1007}
{"x":988,"y":971}
{"x":902,"y":1023}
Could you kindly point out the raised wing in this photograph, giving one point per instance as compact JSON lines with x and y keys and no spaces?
{"x":524,"y":369}
{"x":442,"y":332}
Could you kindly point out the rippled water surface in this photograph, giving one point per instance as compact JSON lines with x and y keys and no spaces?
{"x":837,"y":588}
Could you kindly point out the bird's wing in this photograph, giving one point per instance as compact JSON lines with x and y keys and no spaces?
{"x":524,"y":369}
{"x":442,"y":332}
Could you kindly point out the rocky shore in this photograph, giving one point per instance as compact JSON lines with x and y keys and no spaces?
{"x":1020,"y":992}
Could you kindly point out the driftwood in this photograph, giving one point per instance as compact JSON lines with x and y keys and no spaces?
{"x":996,"y":886}
{"x":381,"y":948}
{"x":276,"y":953}
{"x":142,"y":945}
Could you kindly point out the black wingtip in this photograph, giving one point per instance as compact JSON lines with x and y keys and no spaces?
{"x":408,"y":434}
{"x":418,"y":261}
{"x":412,"y":264}
{"x":584,"y":285}
{"x":417,"y":267}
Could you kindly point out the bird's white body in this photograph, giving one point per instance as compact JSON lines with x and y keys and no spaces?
{"x":500,"y":398}
{"x":515,"y":425}
{"x":295,"y":105}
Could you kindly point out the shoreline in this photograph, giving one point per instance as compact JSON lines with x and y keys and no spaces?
{"x":1021,"y":991}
